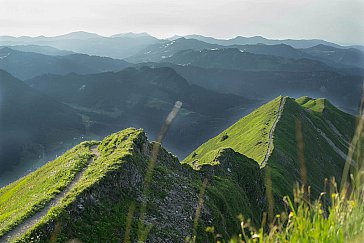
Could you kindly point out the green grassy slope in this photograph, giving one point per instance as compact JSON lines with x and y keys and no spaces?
{"x":249,"y":136}
{"x":114,"y":151}
{"x":326,"y":132}
{"x":29,"y":194}
{"x":97,"y":206}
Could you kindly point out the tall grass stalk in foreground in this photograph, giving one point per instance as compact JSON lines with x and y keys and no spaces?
{"x":310,"y":222}
{"x":143,"y":229}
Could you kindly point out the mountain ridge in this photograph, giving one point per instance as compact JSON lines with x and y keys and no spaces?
{"x":34,"y":64}
{"x":140,"y":97}
{"x":319,"y":121}
{"x":235,"y":182}
{"x":297,"y":43}
{"x":118,"y":172}
{"x":344,"y":90}
{"x":338,"y":58}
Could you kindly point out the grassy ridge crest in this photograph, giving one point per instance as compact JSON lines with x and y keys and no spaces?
{"x":249,"y":136}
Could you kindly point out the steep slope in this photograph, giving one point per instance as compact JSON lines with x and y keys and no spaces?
{"x":326,"y":132}
{"x":104,"y":202}
{"x":248,"y":136}
{"x":326,"y":135}
{"x":34,"y":64}
{"x":142,"y":97}
{"x":97,"y":206}
{"x":19,"y":202}
{"x":31,"y":125}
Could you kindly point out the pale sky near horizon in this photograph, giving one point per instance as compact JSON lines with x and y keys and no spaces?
{"x":340,"y":21}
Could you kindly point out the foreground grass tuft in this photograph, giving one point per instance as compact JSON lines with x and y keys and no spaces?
{"x":304,"y":221}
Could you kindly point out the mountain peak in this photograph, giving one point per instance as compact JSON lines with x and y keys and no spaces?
{"x":314,"y":104}
{"x":83,"y":35}
{"x":131,"y":35}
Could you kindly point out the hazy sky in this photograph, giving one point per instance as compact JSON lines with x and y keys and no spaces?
{"x":340,"y":21}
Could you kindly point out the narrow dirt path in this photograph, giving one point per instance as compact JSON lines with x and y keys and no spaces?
{"x":271,"y":133}
{"x":23,"y":227}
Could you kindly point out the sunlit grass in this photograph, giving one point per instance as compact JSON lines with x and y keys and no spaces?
{"x":248,"y":136}
{"x":337,"y":215}
{"x":29,"y":194}
{"x":310,"y":222}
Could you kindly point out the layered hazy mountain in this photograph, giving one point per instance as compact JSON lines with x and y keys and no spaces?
{"x":128,"y":44}
{"x":33,"y":126}
{"x":350,"y":57}
{"x":77,"y":106}
{"x":331,"y":56}
{"x":117,"y":46}
{"x":235,"y":59}
{"x":142,"y":98}
{"x":45,"y":50}
{"x":264,"y":71}
{"x":240,"y":40}
{"x":345,"y":90}
{"x":104,"y":179}
{"x":25,"y":65}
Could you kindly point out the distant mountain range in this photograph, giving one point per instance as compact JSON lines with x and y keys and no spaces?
{"x":142,"y":98}
{"x":345,"y":90}
{"x":332,"y":56}
{"x":240,"y":40}
{"x":45,"y":50}
{"x":25,"y":65}
{"x":97,"y":104}
{"x":117,"y":46}
{"x":128,"y":44}
{"x":235,"y":59}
